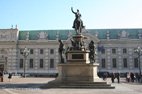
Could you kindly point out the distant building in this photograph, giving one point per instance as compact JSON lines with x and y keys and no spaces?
{"x":115,"y":49}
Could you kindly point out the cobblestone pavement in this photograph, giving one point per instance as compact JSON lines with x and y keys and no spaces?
{"x":31,"y":85}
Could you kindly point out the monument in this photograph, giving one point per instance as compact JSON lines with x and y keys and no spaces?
{"x":80,"y":68}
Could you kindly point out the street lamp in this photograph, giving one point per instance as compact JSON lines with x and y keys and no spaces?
{"x":138,"y":50}
{"x":25,"y":54}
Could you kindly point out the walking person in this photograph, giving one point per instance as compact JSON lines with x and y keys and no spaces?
{"x":105,"y":76}
{"x":128,"y":77}
{"x":132,"y":77}
{"x":9,"y":76}
{"x":118,"y":77}
{"x":112,"y":77}
{"x":1,"y":76}
{"x":139,"y":77}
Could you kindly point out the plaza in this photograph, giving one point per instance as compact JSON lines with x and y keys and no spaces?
{"x":97,"y":52}
{"x":30,"y":85}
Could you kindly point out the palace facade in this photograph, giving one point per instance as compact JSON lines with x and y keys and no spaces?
{"x":115,"y":49}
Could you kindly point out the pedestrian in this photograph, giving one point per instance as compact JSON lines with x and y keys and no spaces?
{"x":128,"y":77}
{"x":139,"y":77}
{"x":118,"y":77}
{"x":9,"y":76}
{"x":112,"y":77}
{"x":132,"y":77}
{"x":105,"y":76}
{"x":1,"y":76}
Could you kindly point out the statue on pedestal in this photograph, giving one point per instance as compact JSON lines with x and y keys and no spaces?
{"x":78,"y":23}
{"x":61,"y":49}
{"x":77,"y":71}
{"x":92,"y":51}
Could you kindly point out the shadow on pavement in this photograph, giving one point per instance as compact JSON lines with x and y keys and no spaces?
{"x":21,"y":85}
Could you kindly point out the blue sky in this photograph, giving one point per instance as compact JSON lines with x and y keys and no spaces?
{"x":56,"y":14}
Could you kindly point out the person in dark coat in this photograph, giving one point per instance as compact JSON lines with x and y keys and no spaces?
{"x":1,"y":76}
{"x":9,"y":76}
{"x":112,"y":77}
{"x":139,"y":77}
{"x":132,"y":77}
{"x":118,"y":77}
{"x":105,"y":75}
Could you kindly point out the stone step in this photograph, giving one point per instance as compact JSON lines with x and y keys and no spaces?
{"x":75,"y":84}
{"x":78,"y":84}
{"x":91,"y":87}
{"x":101,"y":83}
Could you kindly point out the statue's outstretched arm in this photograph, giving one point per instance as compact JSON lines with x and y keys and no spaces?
{"x":72,"y":10}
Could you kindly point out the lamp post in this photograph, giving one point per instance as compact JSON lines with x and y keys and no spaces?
{"x":138,"y":50}
{"x":25,"y":54}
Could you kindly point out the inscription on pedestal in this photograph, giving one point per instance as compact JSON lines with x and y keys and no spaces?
{"x":77,"y":56}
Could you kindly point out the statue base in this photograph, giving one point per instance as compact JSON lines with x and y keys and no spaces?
{"x":78,"y":72}
{"x":78,"y":76}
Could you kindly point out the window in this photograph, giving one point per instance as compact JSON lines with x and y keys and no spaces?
{"x":31,"y":63}
{"x":103,"y":63}
{"x":21,"y":63}
{"x":51,"y":51}
{"x":41,"y":51}
{"x":114,"y":62}
{"x":114,"y":51}
{"x":41,"y":63}
{"x":136,"y":62}
{"x":21,"y":51}
{"x":124,"y":51}
{"x":103,"y":51}
{"x":31,"y":51}
{"x":125,"y":62}
{"x":51,"y":63}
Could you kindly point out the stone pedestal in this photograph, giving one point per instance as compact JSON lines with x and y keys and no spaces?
{"x":78,"y":72}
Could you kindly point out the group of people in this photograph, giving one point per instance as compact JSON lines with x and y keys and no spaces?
{"x":115,"y":75}
{"x":133,"y":77}
{"x":2,"y":75}
{"x":130,"y":77}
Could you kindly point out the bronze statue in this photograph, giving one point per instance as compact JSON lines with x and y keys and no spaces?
{"x":92,"y":51}
{"x":78,"y":23}
{"x":77,"y":45}
{"x":61,"y":49}
{"x":73,"y":44}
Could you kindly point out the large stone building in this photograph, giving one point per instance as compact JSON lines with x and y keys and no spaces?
{"x":115,"y":49}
